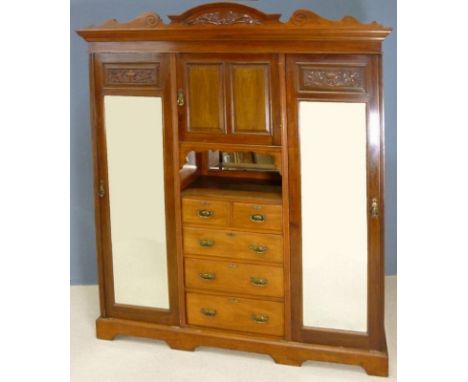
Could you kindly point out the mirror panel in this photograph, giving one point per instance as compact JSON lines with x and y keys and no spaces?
{"x":334,"y":214}
{"x":241,"y":161}
{"x":134,"y":139}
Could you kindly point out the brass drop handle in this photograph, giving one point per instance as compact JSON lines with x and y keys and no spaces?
{"x":180,"y":98}
{"x":102,"y":190}
{"x":260,"y":318}
{"x":374,"y":208}
{"x":207,"y":275}
{"x":205,"y":213}
{"x":208,"y":312}
{"x":258,"y":248}
{"x":206,"y":243}
{"x":257,"y":218}
{"x":259,"y":281}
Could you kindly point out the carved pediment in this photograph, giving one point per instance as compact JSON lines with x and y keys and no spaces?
{"x":224,"y":14}
{"x":222,"y":18}
{"x":230,"y":15}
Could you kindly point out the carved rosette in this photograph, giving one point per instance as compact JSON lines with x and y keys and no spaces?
{"x":140,"y":76}
{"x":222,"y":18}
{"x":332,"y":79}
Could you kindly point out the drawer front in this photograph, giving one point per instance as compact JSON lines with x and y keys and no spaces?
{"x":205,"y":212}
{"x":248,"y":315}
{"x":233,"y":277}
{"x":257,"y":216}
{"x":237,"y":245}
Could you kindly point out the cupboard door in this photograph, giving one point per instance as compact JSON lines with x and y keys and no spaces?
{"x":135,"y":197}
{"x":334,"y":162}
{"x":229,"y":98}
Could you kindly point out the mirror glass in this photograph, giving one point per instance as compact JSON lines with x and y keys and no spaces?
{"x":134,"y":139}
{"x":334,"y":214}
{"x":240,"y":161}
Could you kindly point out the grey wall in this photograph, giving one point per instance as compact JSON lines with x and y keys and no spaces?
{"x":91,"y":12}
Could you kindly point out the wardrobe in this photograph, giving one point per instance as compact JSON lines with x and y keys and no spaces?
{"x":238,"y":174}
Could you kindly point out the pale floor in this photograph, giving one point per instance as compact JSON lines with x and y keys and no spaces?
{"x":141,"y":360}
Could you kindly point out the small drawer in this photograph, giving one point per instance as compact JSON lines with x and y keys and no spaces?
{"x":248,"y":315}
{"x":233,"y":244}
{"x":205,"y":212}
{"x":257,"y":216}
{"x":234,"y":277}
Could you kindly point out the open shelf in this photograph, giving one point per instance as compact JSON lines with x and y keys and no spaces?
{"x":208,"y":185}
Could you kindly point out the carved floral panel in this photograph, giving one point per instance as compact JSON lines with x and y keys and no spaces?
{"x":132,"y":75}
{"x":223,"y":18}
{"x":319,"y":78}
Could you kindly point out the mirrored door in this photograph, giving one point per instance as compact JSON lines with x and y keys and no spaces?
{"x":136,"y":197}
{"x":334,"y":145}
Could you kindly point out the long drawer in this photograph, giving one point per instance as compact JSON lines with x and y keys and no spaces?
{"x":234,"y":277}
{"x":233,"y":244}
{"x":255,"y":316}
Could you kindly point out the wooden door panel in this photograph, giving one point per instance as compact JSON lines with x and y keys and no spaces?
{"x":250,"y":99}
{"x":205,"y":98}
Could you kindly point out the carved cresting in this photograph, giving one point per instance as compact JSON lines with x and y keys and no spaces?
{"x":304,"y":17}
{"x":224,"y":14}
{"x":223,"y":18}
{"x":332,"y":78}
{"x":144,"y":21}
{"x":236,"y":14}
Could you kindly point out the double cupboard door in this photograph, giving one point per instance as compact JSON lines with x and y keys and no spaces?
{"x":229,"y":98}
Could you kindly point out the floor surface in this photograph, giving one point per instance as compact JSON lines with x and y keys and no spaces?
{"x":141,"y":360}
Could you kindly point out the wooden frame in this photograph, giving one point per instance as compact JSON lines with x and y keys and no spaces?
{"x":144,"y":57}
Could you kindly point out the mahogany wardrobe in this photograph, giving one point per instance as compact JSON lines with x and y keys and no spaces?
{"x":238,"y":173}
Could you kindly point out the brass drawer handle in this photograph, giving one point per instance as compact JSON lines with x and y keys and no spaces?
{"x":205,"y":213}
{"x":257,"y":218}
{"x":207,"y":275}
{"x":260,"y":318}
{"x":259,"y":281}
{"x":206,"y":243}
{"x":208,"y":312}
{"x":258,"y":248}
